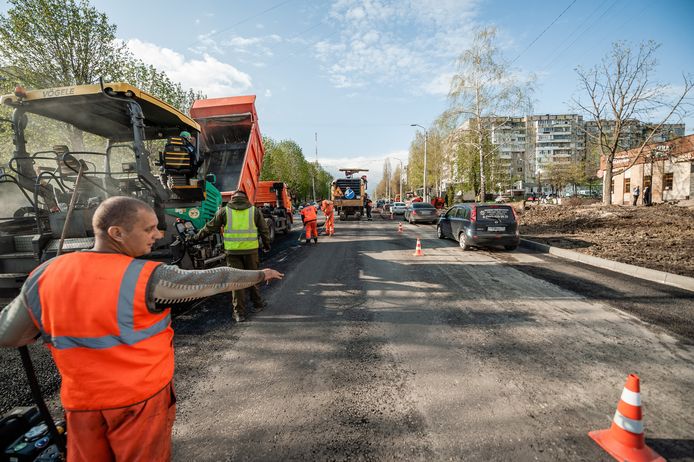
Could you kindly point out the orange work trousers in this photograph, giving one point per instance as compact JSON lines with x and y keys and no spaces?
{"x":137,"y":433}
{"x":311,"y":229}
{"x":330,"y":224}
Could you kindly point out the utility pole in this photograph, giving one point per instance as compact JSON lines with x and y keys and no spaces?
{"x":313,"y":176}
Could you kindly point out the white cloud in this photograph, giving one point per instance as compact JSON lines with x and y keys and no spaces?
{"x":257,"y":47}
{"x":268,"y":93}
{"x":208,"y":74}
{"x":396,"y":42}
{"x":439,"y":85}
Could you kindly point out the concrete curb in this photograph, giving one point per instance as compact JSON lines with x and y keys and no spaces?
{"x":676,"y":280}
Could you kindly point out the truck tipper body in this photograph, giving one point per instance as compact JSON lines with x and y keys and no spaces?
{"x":230,"y":138}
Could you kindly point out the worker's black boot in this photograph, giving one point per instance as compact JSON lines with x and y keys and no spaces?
{"x":315,"y":239}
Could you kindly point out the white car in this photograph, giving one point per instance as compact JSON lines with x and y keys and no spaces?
{"x":398,"y":208}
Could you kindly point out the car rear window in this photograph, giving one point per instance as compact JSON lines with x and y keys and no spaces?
{"x":421,"y":205}
{"x":496,"y":213}
{"x":399,"y":204}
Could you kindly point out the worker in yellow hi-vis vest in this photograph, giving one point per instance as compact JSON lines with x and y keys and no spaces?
{"x":242,"y":223}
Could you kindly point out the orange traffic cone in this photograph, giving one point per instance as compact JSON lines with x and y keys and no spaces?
{"x":625,"y":440}
{"x":400,"y":227}
{"x":418,"y":250}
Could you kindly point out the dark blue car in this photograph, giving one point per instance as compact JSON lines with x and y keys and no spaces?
{"x":480,"y":225}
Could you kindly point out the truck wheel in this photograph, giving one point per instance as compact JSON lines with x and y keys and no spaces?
{"x":288,"y":228}
{"x":342,"y":216}
{"x":271,"y":226}
{"x":357,"y":216}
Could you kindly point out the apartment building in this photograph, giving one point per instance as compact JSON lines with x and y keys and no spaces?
{"x":634,"y":133}
{"x":527,"y":145}
{"x":555,"y":138}
{"x":510,"y":137}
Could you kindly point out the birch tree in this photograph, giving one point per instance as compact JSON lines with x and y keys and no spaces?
{"x":484,"y":89}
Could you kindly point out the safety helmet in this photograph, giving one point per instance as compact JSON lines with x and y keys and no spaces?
{"x":185,"y":134}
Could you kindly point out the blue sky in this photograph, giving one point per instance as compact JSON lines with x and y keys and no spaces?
{"x":359,"y":72}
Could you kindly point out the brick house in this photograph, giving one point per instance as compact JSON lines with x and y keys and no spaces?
{"x":667,"y":167}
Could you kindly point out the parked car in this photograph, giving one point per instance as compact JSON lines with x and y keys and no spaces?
{"x":420,"y":212}
{"x":398,"y":208}
{"x":480,"y":225}
{"x":501,"y":199}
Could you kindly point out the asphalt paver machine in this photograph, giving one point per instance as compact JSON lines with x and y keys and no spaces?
{"x":348,"y":193}
{"x":75,"y":147}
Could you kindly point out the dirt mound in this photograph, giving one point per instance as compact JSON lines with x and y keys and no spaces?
{"x":659,"y":237}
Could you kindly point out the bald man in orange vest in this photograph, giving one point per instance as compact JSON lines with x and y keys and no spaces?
{"x":104,"y":316}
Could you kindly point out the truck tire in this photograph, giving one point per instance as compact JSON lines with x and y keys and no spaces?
{"x":342,"y":216}
{"x":288,"y":228}
{"x":357,"y":216}
{"x":271,"y":227}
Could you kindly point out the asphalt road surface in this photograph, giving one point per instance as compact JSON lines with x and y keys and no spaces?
{"x":367,"y":352}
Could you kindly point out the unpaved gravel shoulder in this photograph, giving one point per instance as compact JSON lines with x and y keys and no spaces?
{"x":659,"y":237}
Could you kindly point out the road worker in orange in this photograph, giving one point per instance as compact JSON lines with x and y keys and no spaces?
{"x":309,"y":216}
{"x":104,"y":316}
{"x":329,"y":211}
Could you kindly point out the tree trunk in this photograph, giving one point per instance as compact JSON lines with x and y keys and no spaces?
{"x":607,"y":184}
{"x":483,"y":179}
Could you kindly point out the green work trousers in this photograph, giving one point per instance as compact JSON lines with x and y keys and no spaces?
{"x":249,"y":261}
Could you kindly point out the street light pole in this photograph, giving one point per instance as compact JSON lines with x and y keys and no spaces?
{"x":401,"y":200}
{"x":313,"y":176}
{"x":426,"y":135}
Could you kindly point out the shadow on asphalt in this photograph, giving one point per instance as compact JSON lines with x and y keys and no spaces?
{"x":672,"y":449}
{"x":664,"y":306}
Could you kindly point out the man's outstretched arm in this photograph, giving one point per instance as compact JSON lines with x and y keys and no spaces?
{"x":171,"y":284}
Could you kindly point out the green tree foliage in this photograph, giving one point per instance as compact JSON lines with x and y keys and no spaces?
{"x":46,"y":43}
{"x":467,"y":163}
{"x":436,"y":137}
{"x":52,"y":43}
{"x":284,"y":161}
{"x":147,"y":78}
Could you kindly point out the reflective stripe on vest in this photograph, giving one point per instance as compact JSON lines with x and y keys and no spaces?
{"x":126,"y":294}
{"x":240,"y":231}
{"x":91,"y":308}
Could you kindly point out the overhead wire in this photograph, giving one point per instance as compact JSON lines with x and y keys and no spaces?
{"x":244,"y":20}
{"x":543,"y":32}
{"x":588,"y":49}
{"x":558,"y":51}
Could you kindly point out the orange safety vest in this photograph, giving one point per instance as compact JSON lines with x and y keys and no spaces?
{"x":309,"y":214}
{"x":90,"y":309}
{"x":327,"y":207}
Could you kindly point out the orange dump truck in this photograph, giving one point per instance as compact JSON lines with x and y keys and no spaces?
{"x":272,"y":198}
{"x":231,"y":142}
